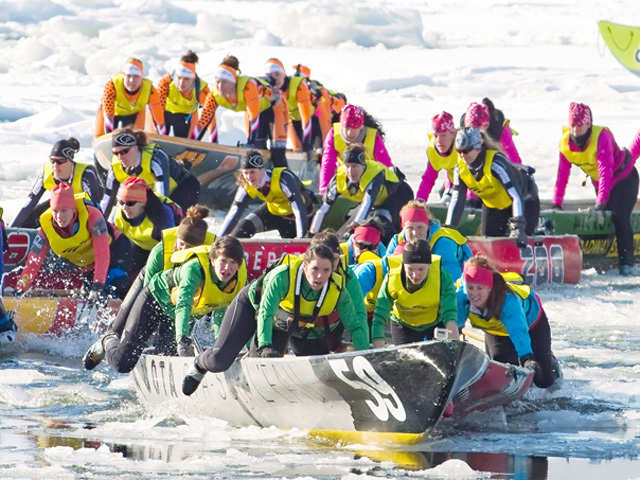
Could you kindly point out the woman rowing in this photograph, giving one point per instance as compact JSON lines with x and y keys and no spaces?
{"x":291,"y":302}
{"x":142,"y":216}
{"x":239,"y":93}
{"x":76,"y":231}
{"x":511,"y":315}
{"x":445,"y":242}
{"x":134,"y":156}
{"x":60,"y":168}
{"x":204,"y":279}
{"x":611,"y":169}
{"x":418,"y":296}
{"x":377,"y":189}
{"x":508,"y":192}
{"x":286,"y":206}
{"x":191,"y":232}
{"x":356,"y":126}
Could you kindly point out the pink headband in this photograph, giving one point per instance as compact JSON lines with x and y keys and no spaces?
{"x":363,"y":234}
{"x":413,"y":214}
{"x":477,"y":274}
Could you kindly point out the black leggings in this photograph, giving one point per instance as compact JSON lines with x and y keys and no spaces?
{"x":315,"y":138}
{"x":495,"y":222}
{"x":181,"y":123}
{"x":621,"y":202}
{"x":237,"y":328}
{"x":144,"y":318}
{"x":401,"y":334}
{"x":261,"y":220}
{"x":501,"y":349}
{"x":117,"y":326}
{"x":187,"y":192}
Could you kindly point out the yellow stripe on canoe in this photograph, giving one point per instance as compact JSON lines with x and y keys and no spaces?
{"x":345,"y":437}
{"x":32,"y":315}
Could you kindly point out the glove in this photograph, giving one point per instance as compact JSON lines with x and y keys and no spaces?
{"x":185,"y":347}
{"x":267,"y":351}
{"x":531,"y":364}
{"x":597,"y":213}
{"x":517,"y":227}
{"x":162,"y":129}
{"x":556,"y":207}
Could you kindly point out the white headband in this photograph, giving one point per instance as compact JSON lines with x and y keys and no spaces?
{"x":223,"y":74}
{"x":182,"y":71}
{"x":271,"y":67}
{"x":131,"y":69}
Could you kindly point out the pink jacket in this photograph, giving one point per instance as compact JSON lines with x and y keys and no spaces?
{"x":609,"y":157}
{"x":508,"y":147}
{"x":329,"y":163}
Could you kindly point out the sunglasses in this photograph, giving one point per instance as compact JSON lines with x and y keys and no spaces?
{"x":58,"y":160}
{"x":366,"y":246}
{"x":466,"y":150}
{"x":124,"y":151}
{"x":128,"y":203}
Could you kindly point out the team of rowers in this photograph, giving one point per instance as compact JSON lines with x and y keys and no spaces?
{"x":144,"y":235}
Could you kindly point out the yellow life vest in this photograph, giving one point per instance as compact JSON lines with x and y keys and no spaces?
{"x":78,"y":248}
{"x":445,"y":232}
{"x":48,"y":182}
{"x":494,"y":325}
{"x":277,"y":202}
{"x":586,"y":159}
{"x":122,"y":105}
{"x":140,"y":234}
{"x":438,"y":162}
{"x":145,"y":162}
{"x":372,"y":169}
{"x":241,"y":104}
{"x":169,"y":237}
{"x":420,"y":308}
{"x":309,"y":310}
{"x":177,"y":103}
{"x":393,"y":261}
{"x":341,"y":145}
{"x":292,"y":99}
{"x":209,"y":297}
{"x":488,"y":188}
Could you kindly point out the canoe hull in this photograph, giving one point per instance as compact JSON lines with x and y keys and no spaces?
{"x":402,"y":389}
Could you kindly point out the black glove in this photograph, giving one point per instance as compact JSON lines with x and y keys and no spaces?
{"x":267,"y":351}
{"x":185,"y":347}
{"x":517,"y":227}
{"x":597,"y":212}
{"x":529,"y":362}
{"x":556,"y":207}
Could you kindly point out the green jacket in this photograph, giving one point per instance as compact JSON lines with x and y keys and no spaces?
{"x":188,"y":277}
{"x":275,"y":289}
{"x":448,"y":309}
{"x":155,"y":263}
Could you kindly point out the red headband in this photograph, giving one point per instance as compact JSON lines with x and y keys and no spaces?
{"x":477,"y":274}
{"x":363,"y":234}
{"x":413,"y":214}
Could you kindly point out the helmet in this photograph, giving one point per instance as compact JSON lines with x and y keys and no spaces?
{"x":467,"y":138}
